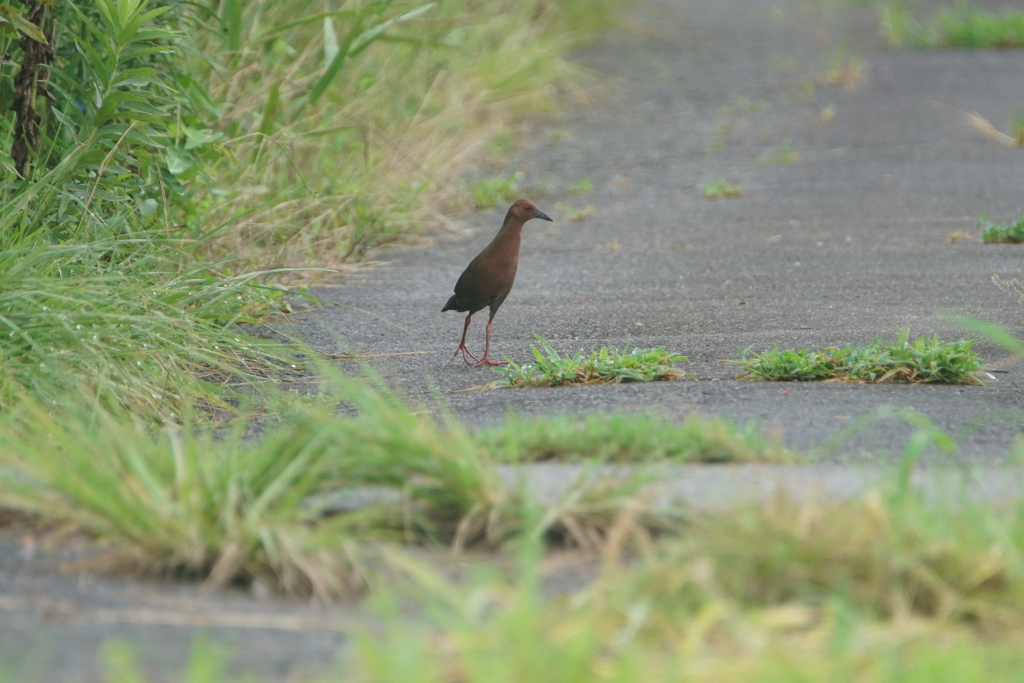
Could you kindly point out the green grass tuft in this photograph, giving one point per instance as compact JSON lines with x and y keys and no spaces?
{"x":719,"y":190}
{"x":215,"y":504}
{"x":1013,"y":233}
{"x":622,"y":438}
{"x":963,"y":26}
{"x":123,"y":320}
{"x":600,"y":367}
{"x":925,"y":360}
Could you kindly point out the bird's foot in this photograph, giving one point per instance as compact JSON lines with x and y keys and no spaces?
{"x":487,"y":361}
{"x":465,"y":352}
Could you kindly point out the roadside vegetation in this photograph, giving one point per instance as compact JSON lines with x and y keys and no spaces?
{"x":964,"y":25}
{"x":347,"y":124}
{"x":920,"y":361}
{"x":103,"y":288}
{"x":603,"y":366}
{"x":162,"y":163}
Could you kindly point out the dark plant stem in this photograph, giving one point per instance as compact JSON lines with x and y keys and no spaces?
{"x":29,"y":86}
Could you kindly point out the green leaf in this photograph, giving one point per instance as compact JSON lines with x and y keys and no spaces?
{"x":330,"y":42}
{"x":178,"y":161}
{"x":231,"y":17}
{"x":270,"y":109}
{"x":199,"y":138}
{"x":339,"y":59}
{"x":992,"y":331}
{"x":20,"y":24}
{"x":377,"y":31}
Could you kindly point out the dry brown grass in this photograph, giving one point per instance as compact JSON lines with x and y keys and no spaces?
{"x":378,"y":155}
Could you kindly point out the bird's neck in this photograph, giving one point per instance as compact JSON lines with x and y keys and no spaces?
{"x":508,"y":237}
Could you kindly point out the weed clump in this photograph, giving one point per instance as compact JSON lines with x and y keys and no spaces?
{"x":925,"y":360}
{"x":719,"y":190}
{"x":963,"y":26}
{"x":605,"y":366}
{"x":993,"y":233}
{"x":622,"y":438}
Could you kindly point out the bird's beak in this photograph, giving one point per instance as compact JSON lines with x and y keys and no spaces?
{"x":543,"y":216}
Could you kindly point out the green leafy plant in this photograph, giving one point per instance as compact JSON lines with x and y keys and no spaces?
{"x":925,"y":360}
{"x":719,"y":190}
{"x":118,"y":134}
{"x":599,"y":367}
{"x":1012,"y":233}
{"x":965,"y":25}
{"x":99,"y":287}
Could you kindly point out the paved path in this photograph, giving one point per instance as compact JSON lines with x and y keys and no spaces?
{"x":840,"y":246}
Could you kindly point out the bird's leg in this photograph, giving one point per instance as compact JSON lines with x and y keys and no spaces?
{"x":487,"y":350}
{"x":462,"y":344}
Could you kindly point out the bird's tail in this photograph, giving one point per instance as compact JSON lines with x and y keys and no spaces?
{"x":451,"y":304}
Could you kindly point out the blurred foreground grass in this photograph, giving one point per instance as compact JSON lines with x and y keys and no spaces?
{"x":965,"y":25}
{"x":889,"y":587}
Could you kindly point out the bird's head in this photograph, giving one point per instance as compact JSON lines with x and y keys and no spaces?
{"x":524,"y":210}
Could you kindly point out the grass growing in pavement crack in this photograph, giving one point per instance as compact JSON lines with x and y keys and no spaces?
{"x":605,"y":366}
{"x":994,"y":233}
{"x":622,"y":438}
{"x":877,"y":589}
{"x":211,"y":503}
{"x":925,"y":360}
{"x":862,"y":591}
{"x":719,"y":190}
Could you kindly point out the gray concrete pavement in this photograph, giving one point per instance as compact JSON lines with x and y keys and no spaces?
{"x":842,"y":245}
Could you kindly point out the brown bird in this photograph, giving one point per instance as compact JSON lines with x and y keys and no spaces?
{"x":488,"y":278}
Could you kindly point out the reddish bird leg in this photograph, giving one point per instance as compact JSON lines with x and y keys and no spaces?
{"x":487,"y":351}
{"x":462,"y":344}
